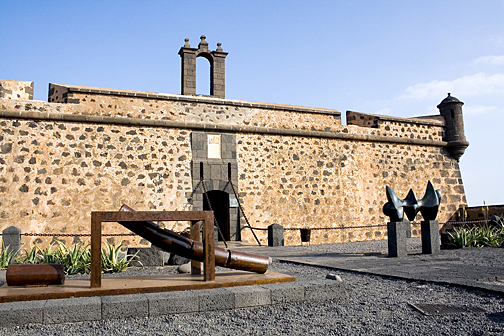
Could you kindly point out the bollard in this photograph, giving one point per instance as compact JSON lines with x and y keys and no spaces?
{"x":11,"y":237}
{"x":275,"y":235}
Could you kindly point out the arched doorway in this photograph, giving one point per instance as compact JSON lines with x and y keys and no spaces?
{"x":220,"y":206}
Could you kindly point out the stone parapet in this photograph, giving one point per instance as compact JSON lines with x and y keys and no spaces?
{"x":12,"y":89}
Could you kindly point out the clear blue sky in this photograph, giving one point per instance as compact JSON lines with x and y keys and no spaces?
{"x":396,"y":58}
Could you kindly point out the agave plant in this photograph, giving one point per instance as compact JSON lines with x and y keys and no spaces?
{"x":461,"y":237}
{"x":31,"y":256}
{"x":76,"y":259}
{"x":487,"y":236}
{"x":113,"y":260}
{"x":6,"y":257}
{"x":48,"y":255}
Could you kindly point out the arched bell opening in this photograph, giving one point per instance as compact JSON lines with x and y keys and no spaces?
{"x":203,"y":75}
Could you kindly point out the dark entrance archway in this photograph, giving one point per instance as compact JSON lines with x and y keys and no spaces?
{"x":220,"y":206}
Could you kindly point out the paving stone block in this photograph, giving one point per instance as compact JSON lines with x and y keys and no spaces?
{"x":172,"y":303}
{"x":121,"y":306}
{"x":285,"y":292}
{"x":250,"y":296}
{"x":216,"y":299}
{"x":72,"y":310}
{"x":21,"y":313}
{"x":319,"y":290}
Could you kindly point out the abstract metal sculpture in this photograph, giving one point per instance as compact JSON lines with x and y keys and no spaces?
{"x":428,"y":206}
{"x":399,"y":229}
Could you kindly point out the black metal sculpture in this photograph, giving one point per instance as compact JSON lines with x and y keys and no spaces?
{"x":428,"y":206}
{"x":399,"y":228}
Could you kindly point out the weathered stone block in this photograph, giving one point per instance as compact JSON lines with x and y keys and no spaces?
{"x":215,"y":299}
{"x":11,"y":238}
{"x":177,"y":260}
{"x":123,"y":306}
{"x":250,"y":296}
{"x":286,"y":292}
{"x":431,"y":243}
{"x":173,"y":303}
{"x":21,"y":313}
{"x":275,"y":235}
{"x":72,"y":310}
{"x":397,"y":234}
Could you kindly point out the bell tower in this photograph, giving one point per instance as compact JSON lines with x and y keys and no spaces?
{"x":217,"y":59}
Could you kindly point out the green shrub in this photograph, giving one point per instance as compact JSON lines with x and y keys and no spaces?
{"x":49,"y":255}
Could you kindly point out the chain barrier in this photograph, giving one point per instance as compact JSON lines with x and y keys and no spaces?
{"x":368,"y":226}
{"x":76,"y":234}
{"x":243,"y":212}
{"x":252,"y":228}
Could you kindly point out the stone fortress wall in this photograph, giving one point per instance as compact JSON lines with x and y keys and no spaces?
{"x":93,"y":149}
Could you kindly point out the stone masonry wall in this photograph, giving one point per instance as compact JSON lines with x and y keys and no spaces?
{"x":93,"y":149}
{"x":301,"y":183}
{"x":55,"y":173}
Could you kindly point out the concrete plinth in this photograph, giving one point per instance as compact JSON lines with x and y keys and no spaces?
{"x":397,"y":234}
{"x":431,"y":243}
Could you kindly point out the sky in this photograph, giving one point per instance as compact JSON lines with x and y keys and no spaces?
{"x":397,"y":58}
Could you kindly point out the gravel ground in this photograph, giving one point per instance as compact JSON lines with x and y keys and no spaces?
{"x":376,"y":306}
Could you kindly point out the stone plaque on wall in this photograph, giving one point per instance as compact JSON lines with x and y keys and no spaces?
{"x":214,"y":146}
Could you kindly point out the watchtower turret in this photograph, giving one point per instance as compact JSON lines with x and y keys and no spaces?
{"x":451,"y":109}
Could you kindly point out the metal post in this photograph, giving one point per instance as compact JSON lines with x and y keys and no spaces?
{"x":96,"y":236}
{"x":195,"y":234}
{"x":209,"y":246}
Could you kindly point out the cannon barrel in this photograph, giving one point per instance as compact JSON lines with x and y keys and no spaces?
{"x":35,"y":275}
{"x":174,"y":243}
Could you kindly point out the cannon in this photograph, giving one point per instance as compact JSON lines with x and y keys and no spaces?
{"x":172,"y":242}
